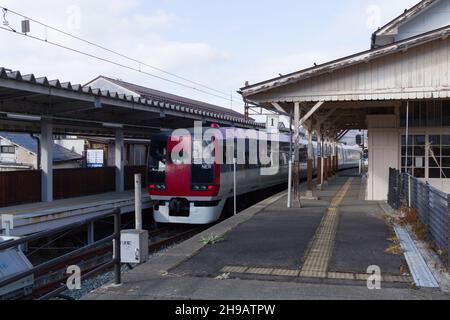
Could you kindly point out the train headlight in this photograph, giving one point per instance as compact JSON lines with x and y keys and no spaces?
{"x":157,"y":187}
{"x":203,"y":188}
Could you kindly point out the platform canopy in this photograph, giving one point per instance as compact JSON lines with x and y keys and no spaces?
{"x":340,"y":94}
{"x":25,"y":100}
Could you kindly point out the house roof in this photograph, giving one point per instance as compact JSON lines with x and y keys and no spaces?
{"x":152,"y":94}
{"x":28,"y":142}
{"x":405,"y":16}
{"x":106,"y":140}
{"x":335,"y":65}
{"x":40,"y":88}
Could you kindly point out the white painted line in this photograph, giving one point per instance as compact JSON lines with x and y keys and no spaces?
{"x":419,"y":269}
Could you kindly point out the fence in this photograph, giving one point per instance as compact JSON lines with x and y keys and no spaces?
{"x":432,"y":206}
{"x":68,"y":257}
{"x":20,"y":187}
{"x":17,"y":187}
{"x":69,"y":183}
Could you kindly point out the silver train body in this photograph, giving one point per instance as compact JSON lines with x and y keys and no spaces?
{"x":182,"y":206}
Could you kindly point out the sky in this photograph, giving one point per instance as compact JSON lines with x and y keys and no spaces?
{"x":221,"y":44}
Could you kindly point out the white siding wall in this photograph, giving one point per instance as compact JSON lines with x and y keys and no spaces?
{"x":5,"y":157}
{"x":383,"y":154}
{"x":420,"y":72}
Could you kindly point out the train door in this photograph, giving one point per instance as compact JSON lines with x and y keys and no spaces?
{"x":178,"y":166}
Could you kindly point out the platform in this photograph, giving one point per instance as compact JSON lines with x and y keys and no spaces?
{"x":36,"y":217}
{"x":321,"y":251}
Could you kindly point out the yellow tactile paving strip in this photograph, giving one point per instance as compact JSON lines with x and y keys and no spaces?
{"x":319,"y":253}
{"x":321,"y":275}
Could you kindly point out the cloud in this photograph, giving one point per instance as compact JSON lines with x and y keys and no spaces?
{"x":368,"y":16}
{"x":348,"y":33}
{"x":116,"y":24}
{"x":157,"y":36}
{"x":284,"y":64}
{"x":159,"y":20}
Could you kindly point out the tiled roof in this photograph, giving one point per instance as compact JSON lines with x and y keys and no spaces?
{"x":184,"y":109}
{"x":149,"y":93}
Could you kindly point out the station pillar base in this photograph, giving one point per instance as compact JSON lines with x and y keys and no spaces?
{"x":309,"y":196}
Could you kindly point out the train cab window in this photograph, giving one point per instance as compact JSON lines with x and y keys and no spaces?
{"x":157,"y":162}
{"x":203,"y":159}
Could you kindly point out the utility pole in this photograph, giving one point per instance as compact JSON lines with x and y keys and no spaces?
{"x":296,"y":171}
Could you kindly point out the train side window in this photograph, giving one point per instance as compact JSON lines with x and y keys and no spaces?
{"x":240,"y":154}
{"x":254,"y":161}
{"x":284,"y":158}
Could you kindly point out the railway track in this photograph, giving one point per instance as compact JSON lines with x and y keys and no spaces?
{"x":55,"y":278}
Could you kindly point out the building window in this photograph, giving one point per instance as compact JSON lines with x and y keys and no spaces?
{"x":8,"y":150}
{"x":414,"y":155}
{"x":423,"y":114}
{"x":439,"y":157}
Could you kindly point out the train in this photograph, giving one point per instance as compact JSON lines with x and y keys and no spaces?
{"x":194,"y":188}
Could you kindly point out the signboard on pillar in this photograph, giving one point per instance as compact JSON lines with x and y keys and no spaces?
{"x":273,"y":124}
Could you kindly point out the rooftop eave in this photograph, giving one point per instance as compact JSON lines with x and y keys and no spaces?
{"x":42,"y":86}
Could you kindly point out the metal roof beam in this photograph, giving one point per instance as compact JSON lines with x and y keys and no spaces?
{"x":342,"y":134}
{"x":322,"y":119}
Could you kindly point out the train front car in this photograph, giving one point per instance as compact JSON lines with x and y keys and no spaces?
{"x":184,"y":183}
{"x":194,"y":187}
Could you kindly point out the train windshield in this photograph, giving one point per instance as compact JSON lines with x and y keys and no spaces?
{"x":203,"y":157}
{"x":157,"y":162}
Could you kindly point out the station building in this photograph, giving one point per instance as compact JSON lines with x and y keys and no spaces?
{"x":401,"y":84}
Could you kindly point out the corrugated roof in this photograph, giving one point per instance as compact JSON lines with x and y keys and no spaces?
{"x":160,"y":103}
{"x":148,"y":93}
{"x":26,"y":141}
{"x":335,"y":65}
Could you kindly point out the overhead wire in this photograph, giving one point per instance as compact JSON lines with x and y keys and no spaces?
{"x":216,"y":94}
